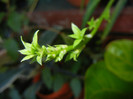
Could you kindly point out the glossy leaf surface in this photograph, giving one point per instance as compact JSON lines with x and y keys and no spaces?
{"x":100,"y":83}
{"x":119,"y":58}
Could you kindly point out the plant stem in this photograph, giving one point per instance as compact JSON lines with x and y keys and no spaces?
{"x":33,"y":6}
{"x":90,"y":9}
{"x":94,"y":31}
{"x":120,"y":5}
{"x":82,"y":5}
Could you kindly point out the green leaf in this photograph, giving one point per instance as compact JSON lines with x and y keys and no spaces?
{"x":76,"y":87}
{"x":39,"y":60}
{"x":73,"y":36}
{"x":67,"y":39}
{"x":75,"y":29}
{"x":15,"y":21}
{"x":76,"y":66}
{"x":5,"y":1}
{"x":115,"y":14}
{"x":83,"y":32}
{"x":2,"y":14}
{"x":119,"y":58}
{"x":25,"y":52}
{"x":30,"y":92}
{"x":47,"y":78}
{"x":69,"y":56}
{"x":91,"y":23}
{"x":27,"y":57}
{"x":107,"y":14}
{"x":5,"y":58}
{"x":8,"y":77}
{"x":14,"y":94}
{"x":26,"y":45}
{"x":50,"y":57}
{"x":12,"y":48}
{"x":90,"y":9}
{"x":47,"y":37}
{"x":35,"y":39}
{"x":76,"y":42}
{"x":58,"y":82}
{"x":61,"y":55}
{"x":73,"y":55}
{"x":101,"y":83}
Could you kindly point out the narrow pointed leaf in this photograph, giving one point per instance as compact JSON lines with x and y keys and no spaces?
{"x":27,"y":57}
{"x":73,"y":36}
{"x":83,"y":31}
{"x":47,"y":78}
{"x":35,"y":39}
{"x":76,"y":87}
{"x":24,"y":52}
{"x":39,"y":60}
{"x":26,"y":45}
{"x":107,"y":14}
{"x":12,"y":47}
{"x":75,"y":29}
{"x":76,"y":42}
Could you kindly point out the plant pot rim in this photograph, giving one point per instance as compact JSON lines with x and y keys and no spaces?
{"x":64,"y":93}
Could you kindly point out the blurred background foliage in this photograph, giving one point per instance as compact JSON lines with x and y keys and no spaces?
{"x":107,"y":79}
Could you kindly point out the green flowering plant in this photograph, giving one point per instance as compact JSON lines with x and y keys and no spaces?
{"x":57,"y":52}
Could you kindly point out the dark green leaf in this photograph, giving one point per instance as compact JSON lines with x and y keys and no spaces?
{"x":58,"y":82}
{"x":2,"y":14}
{"x":12,"y":48}
{"x":67,"y":39}
{"x":76,"y":66}
{"x":100,"y":83}
{"x":90,"y":9}
{"x":76,"y":87}
{"x":47,"y":37}
{"x":5,"y":1}
{"x":14,"y":94}
{"x":4,"y":58}
{"x":30,"y":93}
{"x":119,"y":58}
{"x":15,"y":21}
{"x":47,"y":77}
{"x":8,"y":77}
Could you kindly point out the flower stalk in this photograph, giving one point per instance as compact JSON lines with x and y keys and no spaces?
{"x":47,"y":53}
